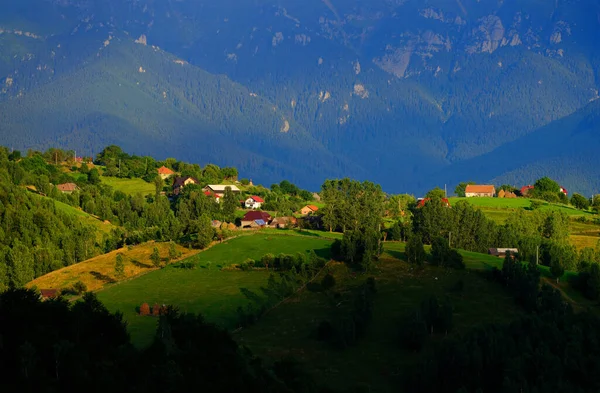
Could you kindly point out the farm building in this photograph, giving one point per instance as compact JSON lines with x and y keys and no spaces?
{"x":474,"y":190}
{"x":308,"y":209}
{"x":501,"y":252}
{"x":67,"y":188}
{"x":48,"y":293}
{"x":250,"y":217}
{"x":254,"y":202}
{"x":220,"y":188}
{"x":283,"y":222}
{"x":165,"y":172}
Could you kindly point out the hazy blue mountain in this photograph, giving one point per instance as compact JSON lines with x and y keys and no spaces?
{"x":397,"y":91}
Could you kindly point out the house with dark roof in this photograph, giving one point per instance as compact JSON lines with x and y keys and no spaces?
{"x":254,"y":202}
{"x":67,"y":188}
{"x":181,"y":182}
{"x":165,"y":172}
{"x":476,"y":190}
{"x":254,"y":215}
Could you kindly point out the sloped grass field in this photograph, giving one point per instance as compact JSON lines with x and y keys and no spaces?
{"x":291,"y":328}
{"x":100,"y":271}
{"x":206,"y":289}
{"x":129,"y":186}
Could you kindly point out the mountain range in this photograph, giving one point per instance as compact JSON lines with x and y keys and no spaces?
{"x":410,"y":94}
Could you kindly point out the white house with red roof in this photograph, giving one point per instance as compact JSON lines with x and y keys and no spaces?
{"x":254,"y":202}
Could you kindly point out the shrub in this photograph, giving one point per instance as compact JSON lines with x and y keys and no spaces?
{"x":328,"y":282}
{"x":80,"y":287}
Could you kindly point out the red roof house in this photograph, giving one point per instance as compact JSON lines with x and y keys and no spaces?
{"x":526,"y":189}
{"x":475,"y":190}
{"x":67,"y":188}
{"x":48,"y":293}
{"x":423,"y":201}
{"x":164,"y":172}
{"x":254,"y":215}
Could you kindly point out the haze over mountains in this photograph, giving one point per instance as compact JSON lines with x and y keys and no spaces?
{"x":410,"y":94}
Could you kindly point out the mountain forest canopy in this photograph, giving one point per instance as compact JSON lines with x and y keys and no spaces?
{"x":407,"y":94}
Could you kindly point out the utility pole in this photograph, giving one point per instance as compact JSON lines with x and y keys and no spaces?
{"x":445,"y":192}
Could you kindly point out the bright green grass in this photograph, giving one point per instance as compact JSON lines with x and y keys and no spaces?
{"x":304,"y":232}
{"x":494,"y":202}
{"x":290,"y":328}
{"x":207,"y":290}
{"x":129,"y":186}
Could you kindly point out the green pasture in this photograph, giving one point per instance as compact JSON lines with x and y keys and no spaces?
{"x":129,"y":186}
{"x":207,"y":289}
{"x":290,"y":329}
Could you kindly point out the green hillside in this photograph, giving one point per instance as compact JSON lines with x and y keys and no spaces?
{"x":290,"y":329}
{"x":206,"y":289}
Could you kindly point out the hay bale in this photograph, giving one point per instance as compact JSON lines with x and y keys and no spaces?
{"x":144,"y":309}
{"x":501,"y":194}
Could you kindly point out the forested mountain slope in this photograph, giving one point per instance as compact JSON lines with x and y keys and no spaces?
{"x":393,"y":91}
{"x":567,"y":147}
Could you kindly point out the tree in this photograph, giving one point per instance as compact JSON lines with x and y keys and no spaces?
{"x":328,"y":282}
{"x":440,"y":251}
{"x":229,"y":205}
{"x":158,"y":186}
{"x":119,"y":266}
{"x":557,"y":269}
{"x":93,"y":176}
{"x":204,"y":231}
{"x":415,"y":252}
{"x":580,"y":202}
{"x":545,"y":184}
{"x":436,"y":193}
{"x":173,"y":253}
{"x":155,"y":257}
{"x":461,"y":187}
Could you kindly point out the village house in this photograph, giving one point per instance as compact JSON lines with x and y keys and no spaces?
{"x":308,"y":209}
{"x":181,"y":182}
{"x":255,"y":218}
{"x":220,"y":188}
{"x":216,"y":196}
{"x":316,"y":197}
{"x":422,"y":201}
{"x":165,"y":172}
{"x":501,"y":252}
{"x":475,"y":190}
{"x":526,"y":190}
{"x":254,"y":202}
{"x":67,"y":188}
{"x":283,"y":222}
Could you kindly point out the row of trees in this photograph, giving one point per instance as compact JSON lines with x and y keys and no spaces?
{"x":356,"y":209}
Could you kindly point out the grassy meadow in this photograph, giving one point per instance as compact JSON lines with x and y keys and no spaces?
{"x":99,"y":271}
{"x":129,"y":186}
{"x":207,"y":289}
